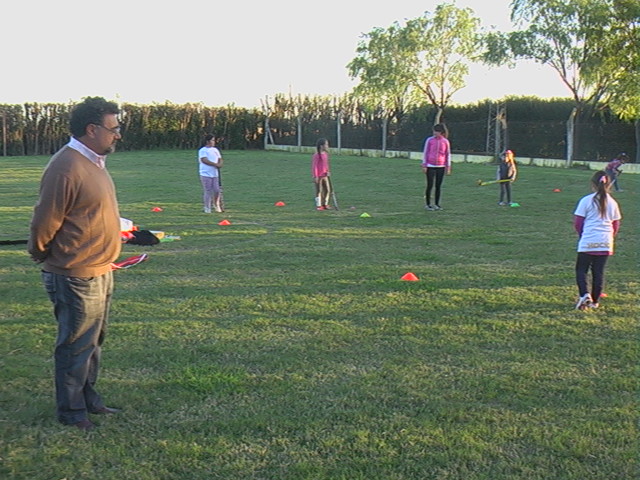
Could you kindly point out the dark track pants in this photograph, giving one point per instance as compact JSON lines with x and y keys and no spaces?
{"x":595,"y":263}
{"x":435,"y":176}
{"x":505,"y":192}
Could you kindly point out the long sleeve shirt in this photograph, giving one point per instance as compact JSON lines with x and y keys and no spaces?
{"x":320,"y":164}
{"x":75,"y":228}
{"x":437,"y":152}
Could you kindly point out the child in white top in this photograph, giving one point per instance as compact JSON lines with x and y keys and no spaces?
{"x":209,"y":164}
{"x":597,"y":220}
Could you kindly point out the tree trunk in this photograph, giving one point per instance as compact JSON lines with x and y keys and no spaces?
{"x":497,"y":148}
{"x":438,"y":116}
{"x":571,"y":124}
{"x":385,"y":125}
{"x":637,"y":125}
{"x":339,"y":132}
{"x":4,"y":133}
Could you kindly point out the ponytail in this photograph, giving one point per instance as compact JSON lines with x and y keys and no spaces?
{"x":510,"y":156}
{"x":601,"y":185}
{"x":319,"y":144}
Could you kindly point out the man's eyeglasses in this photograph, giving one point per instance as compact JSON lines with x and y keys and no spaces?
{"x":114,"y":130}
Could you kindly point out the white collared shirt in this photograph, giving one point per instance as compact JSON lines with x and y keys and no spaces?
{"x":98,"y":160}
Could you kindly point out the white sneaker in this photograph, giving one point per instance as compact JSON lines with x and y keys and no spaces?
{"x":207,"y":210}
{"x":429,"y":207}
{"x":584,"y":302}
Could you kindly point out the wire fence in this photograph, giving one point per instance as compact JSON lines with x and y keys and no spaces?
{"x":532,"y":127}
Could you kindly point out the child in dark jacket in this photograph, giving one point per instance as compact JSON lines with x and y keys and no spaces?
{"x":507,"y":173}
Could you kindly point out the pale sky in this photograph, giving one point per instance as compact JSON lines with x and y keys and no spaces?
{"x":217,"y":52}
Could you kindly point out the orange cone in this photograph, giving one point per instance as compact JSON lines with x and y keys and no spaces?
{"x":224,"y":222}
{"x":156,"y":209}
{"x":556,"y":190}
{"x":279,"y":204}
{"x":409,"y":277}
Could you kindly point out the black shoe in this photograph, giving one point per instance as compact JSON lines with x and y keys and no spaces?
{"x":85,"y":425}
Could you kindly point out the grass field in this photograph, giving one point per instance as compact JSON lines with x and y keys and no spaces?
{"x":285,"y":345}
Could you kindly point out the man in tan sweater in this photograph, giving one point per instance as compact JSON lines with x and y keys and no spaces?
{"x":75,"y":236}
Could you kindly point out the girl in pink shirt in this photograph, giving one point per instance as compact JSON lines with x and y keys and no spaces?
{"x":436,"y":161}
{"x":320,"y":173}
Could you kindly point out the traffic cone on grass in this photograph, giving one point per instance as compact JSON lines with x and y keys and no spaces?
{"x":409,"y":277}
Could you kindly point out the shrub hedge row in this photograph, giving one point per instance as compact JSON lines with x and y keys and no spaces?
{"x":535,"y":127}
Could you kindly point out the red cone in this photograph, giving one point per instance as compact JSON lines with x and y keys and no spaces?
{"x":224,"y":222}
{"x":409,"y":277}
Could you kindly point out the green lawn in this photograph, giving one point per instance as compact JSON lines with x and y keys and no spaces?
{"x":285,"y":346}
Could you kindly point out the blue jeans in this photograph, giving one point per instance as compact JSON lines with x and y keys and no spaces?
{"x":81,"y":307}
{"x":505,"y":192}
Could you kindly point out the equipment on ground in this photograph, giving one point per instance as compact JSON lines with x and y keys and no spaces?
{"x":220,"y":204}
{"x":334,"y":199}
{"x":129,"y":262}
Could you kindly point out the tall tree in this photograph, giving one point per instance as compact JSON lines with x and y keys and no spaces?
{"x":574,"y":38}
{"x":385,"y":85}
{"x":621,"y":57}
{"x":426,"y":59}
{"x":439,"y":48}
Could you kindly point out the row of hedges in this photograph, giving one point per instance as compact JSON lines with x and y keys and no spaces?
{"x":536,"y":127}
{"x":37,"y":129}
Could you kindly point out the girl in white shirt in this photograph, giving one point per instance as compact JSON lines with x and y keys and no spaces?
{"x":597,"y":220}
{"x":209,"y":164}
